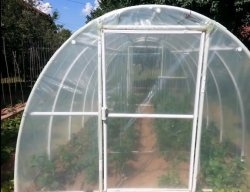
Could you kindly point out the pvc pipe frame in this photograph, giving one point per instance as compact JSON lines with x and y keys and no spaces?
{"x":115,"y":115}
{"x":100,"y":101}
{"x":200,"y":110}
{"x":196,"y":105}
{"x":154,"y":29}
{"x":146,"y":190}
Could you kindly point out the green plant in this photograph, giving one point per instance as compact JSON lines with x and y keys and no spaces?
{"x":228,"y":190}
{"x":122,"y":139}
{"x":7,"y":186}
{"x":9,"y":131}
{"x":221,"y":167}
{"x":80,"y":154}
{"x":170,"y":179}
{"x":173,"y":135}
{"x":45,"y":169}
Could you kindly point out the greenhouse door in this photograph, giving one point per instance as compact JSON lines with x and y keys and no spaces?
{"x":152,"y":91}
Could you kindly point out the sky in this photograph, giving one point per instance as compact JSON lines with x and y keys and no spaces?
{"x":72,"y":13}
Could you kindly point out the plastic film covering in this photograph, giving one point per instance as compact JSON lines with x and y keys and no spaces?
{"x":146,"y":65}
{"x":56,"y":151}
{"x":225,"y":162}
{"x":140,"y":66}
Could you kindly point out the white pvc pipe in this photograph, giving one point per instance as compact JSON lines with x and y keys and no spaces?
{"x":243,"y":119}
{"x":144,"y":115}
{"x":55,"y":101}
{"x":86,"y":91}
{"x":156,"y":28}
{"x":66,"y":113}
{"x":100,"y":131}
{"x":147,"y":190}
{"x":104,"y":106}
{"x":200,"y":111}
{"x":74,"y":94}
{"x":196,"y":105}
{"x":220,"y":104}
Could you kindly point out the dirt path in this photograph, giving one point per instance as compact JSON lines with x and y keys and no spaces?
{"x":148,"y":165}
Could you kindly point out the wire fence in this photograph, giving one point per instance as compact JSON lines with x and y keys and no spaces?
{"x":20,"y":69}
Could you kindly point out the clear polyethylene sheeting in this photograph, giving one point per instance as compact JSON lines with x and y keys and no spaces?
{"x":145,"y":98}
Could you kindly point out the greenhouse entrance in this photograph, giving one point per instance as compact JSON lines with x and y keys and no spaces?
{"x":152,"y":98}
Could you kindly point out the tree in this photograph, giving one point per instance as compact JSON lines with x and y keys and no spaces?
{"x":23,"y":26}
{"x":233,"y":14}
{"x":21,"y":22}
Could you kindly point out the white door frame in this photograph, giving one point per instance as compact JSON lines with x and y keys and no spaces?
{"x":198,"y":105}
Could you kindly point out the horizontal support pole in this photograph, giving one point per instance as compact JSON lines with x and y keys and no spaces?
{"x":66,"y":191}
{"x":145,"y":190}
{"x":155,"y":28}
{"x":146,"y":31}
{"x":143,"y":115}
{"x":63,"y":113}
{"x":115,"y":115}
{"x":169,"y":77}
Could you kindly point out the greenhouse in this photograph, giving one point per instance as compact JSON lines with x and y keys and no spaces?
{"x":142,"y":99}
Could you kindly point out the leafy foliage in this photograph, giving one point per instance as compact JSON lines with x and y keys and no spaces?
{"x":47,"y":168}
{"x":221,"y":167}
{"x":80,"y":154}
{"x":171,"y":178}
{"x":7,"y":186}
{"x":172,"y":134}
{"x":122,"y":139}
{"x":23,"y":23}
{"x":24,"y":27}
{"x":9,"y":131}
{"x":122,"y":133}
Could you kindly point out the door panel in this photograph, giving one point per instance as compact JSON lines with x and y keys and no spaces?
{"x":145,"y":68}
{"x":147,"y":76}
{"x":148,"y":152}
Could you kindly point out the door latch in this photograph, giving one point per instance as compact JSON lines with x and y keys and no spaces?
{"x":105,"y":113}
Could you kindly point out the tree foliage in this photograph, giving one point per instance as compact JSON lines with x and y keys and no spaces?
{"x":24,"y":28}
{"x":233,"y":14}
{"x":21,"y":22}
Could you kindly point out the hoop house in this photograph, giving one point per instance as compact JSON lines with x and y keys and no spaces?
{"x":145,"y":98}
